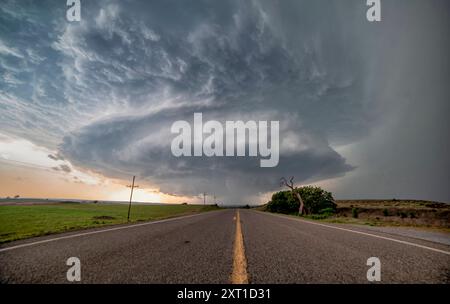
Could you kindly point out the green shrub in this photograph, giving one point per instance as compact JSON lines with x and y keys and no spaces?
{"x":283,"y":202}
{"x":355,"y":212}
{"x":316,"y":200}
{"x":385,"y":212}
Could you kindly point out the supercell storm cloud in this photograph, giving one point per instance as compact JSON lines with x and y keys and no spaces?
{"x":105,"y":91}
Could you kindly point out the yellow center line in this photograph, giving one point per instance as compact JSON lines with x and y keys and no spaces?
{"x":239,"y":275}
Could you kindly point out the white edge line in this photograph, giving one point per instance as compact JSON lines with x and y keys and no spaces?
{"x":363,"y":233}
{"x":98,"y":231}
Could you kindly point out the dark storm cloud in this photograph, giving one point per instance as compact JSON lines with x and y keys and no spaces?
{"x":141,"y":145}
{"x":407,"y":154}
{"x":106,"y":90}
{"x":228,"y":62}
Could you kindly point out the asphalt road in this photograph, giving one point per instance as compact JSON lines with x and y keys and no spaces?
{"x":200,"y":249}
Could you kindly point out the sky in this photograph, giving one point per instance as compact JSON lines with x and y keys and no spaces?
{"x":362,"y":106}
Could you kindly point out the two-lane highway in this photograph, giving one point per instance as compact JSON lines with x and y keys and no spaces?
{"x":212,"y":248}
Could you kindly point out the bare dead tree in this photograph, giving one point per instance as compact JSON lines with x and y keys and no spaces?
{"x":290,"y":185}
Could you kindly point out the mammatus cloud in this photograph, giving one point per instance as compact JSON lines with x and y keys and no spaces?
{"x":107,"y":89}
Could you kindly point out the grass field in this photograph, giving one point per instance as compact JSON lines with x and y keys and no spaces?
{"x":19,"y":222}
{"x":394,"y":212}
{"x":410,"y":213}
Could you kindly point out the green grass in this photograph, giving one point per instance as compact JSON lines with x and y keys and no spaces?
{"x":334,"y":219}
{"x":19,"y":222}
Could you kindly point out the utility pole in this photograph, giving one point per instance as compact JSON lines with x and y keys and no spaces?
{"x":132,"y":186}
{"x":214,"y":199}
{"x":204,"y":198}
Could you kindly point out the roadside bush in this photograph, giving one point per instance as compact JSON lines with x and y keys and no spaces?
{"x":283,"y":202}
{"x":355,"y":212}
{"x":316,"y":200}
{"x":385,"y":212}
